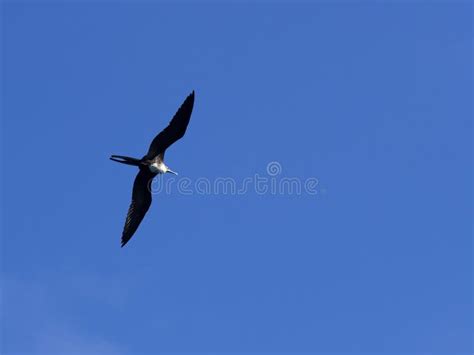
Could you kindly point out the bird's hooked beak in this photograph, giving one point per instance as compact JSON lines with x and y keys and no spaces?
{"x":168,"y":170}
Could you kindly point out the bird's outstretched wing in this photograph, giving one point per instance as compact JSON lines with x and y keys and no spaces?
{"x":141,"y":201}
{"x":175,"y":129}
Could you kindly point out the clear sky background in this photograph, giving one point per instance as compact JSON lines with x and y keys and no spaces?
{"x":374,"y":100}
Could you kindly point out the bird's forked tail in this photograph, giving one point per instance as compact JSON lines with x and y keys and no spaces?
{"x":126,"y":160}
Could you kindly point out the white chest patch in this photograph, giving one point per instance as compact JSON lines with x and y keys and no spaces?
{"x":157,"y":168}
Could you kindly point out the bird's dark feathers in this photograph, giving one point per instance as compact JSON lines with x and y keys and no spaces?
{"x":141,"y":196}
{"x":141,"y":201}
{"x":174,"y":131}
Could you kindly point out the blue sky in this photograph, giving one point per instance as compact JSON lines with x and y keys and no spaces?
{"x":374,"y":100}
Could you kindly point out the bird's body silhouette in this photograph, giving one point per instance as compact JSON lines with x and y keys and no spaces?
{"x":151,"y":165}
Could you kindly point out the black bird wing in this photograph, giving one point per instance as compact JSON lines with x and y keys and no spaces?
{"x":141,"y":201}
{"x":175,"y":129}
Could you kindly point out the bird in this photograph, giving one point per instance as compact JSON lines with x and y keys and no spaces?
{"x":151,"y":165}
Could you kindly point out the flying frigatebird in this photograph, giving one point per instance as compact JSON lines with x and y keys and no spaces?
{"x":151,"y":165}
